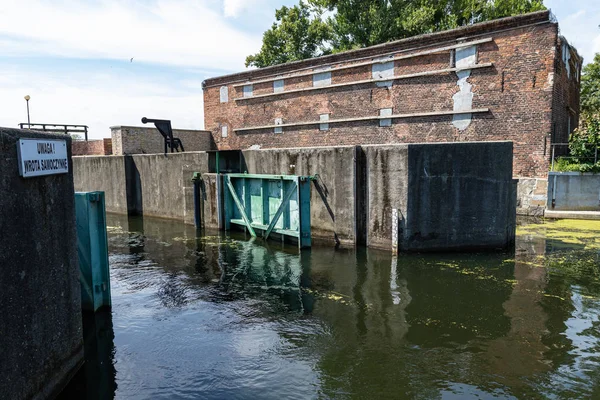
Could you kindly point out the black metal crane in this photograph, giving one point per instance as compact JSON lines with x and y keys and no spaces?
{"x":164,"y":127}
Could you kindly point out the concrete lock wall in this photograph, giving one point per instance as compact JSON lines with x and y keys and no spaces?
{"x":153,"y":184}
{"x":573,"y":191}
{"x":466,"y":197}
{"x":448,"y":196}
{"x":40,"y":321}
{"x":106,"y":174}
{"x":164,"y":181}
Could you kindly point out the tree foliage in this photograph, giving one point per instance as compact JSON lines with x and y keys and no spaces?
{"x":298,"y":33}
{"x":584,"y":146}
{"x":590,"y":88}
{"x":303,"y":31}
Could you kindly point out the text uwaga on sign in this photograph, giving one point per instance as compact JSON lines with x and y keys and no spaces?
{"x":42,"y":157}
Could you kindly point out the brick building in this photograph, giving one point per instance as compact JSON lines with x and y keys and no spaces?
{"x":101,"y":147}
{"x":509,"y":79}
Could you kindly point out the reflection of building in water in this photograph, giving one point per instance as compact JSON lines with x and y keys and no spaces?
{"x":421,"y":322}
{"x":521,"y":352}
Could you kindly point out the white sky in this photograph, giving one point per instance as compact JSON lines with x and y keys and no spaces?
{"x":73,"y":57}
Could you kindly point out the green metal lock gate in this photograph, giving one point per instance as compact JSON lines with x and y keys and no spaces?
{"x":266,"y":204}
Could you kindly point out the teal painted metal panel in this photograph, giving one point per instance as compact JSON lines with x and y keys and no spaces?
{"x":266,"y":204}
{"x":92,"y":249}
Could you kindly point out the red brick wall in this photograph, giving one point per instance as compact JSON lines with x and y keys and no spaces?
{"x":91,"y":147}
{"x":520,"y":91}
{"x":565,"y":102}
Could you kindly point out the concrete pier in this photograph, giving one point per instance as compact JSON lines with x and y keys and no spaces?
{"x":41,"y":339}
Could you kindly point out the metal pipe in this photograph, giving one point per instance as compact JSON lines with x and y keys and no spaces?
{"x":553,"y":148}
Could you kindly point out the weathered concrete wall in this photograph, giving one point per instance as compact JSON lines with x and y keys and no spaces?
{"x":106,"y":174}
{"x":145,"y":140}
{"x":449,"y":196}
{"x":573,"y":191}
{"x":469,"y":201}
{"x":387,"y":181}
{"x":153,"y":184}
{"x":163,"y":181}
{"x":460,"y":195}
{"x":332,"y":204}
{"x":41,"y":338}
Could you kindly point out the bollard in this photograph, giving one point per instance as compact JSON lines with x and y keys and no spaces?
{"x":197,"y":181}
{"x":92,"y":249}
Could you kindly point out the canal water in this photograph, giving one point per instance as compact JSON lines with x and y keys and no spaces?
{"x":217,"y":316}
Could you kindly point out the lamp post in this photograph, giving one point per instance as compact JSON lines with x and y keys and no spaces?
{"x":27,"y":97}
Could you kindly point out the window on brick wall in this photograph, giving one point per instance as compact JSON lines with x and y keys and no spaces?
{"x":322,"y":78}
{"x":248,"y":91}
{"x":324,"y":125}
{"x":278,"y":86}
{"x":278,"y":129}
{"x":223,"y":94}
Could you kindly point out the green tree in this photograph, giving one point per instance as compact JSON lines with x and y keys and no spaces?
{"x":298,"y":33}
{"x":585,"y":139}
{"x":302,"y":31}
{"x":590,"y":88}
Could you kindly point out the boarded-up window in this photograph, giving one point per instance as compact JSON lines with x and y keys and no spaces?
{"x":278,"y":86}
{"x":223,"y":94}
{"x":324,"y":126}
{"x":278,"y":121}
{"x":385,"y":112}
{"x":322,"y":79}
{"x":382,"y":70}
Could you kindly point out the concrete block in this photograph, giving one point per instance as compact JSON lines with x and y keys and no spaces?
{"x":448,"y":196}
{"x":150,"y":184}
{"x":573,"y":191}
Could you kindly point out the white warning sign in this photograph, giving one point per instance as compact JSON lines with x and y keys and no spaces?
{"x":38,"y":157}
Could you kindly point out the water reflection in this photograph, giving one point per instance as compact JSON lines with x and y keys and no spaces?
{"x":218,"y":316}
{"x":96,"y":379}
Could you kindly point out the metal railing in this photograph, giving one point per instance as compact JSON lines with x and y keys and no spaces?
{"x":58,"y":128}
{"x":562,"y":151}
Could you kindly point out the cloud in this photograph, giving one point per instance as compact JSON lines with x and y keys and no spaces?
{"x":98,"y":99}
{"x":232,"y":8}
{"x":172,"y":32}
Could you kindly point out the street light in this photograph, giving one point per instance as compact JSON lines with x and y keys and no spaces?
{"x":27,"y":97}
